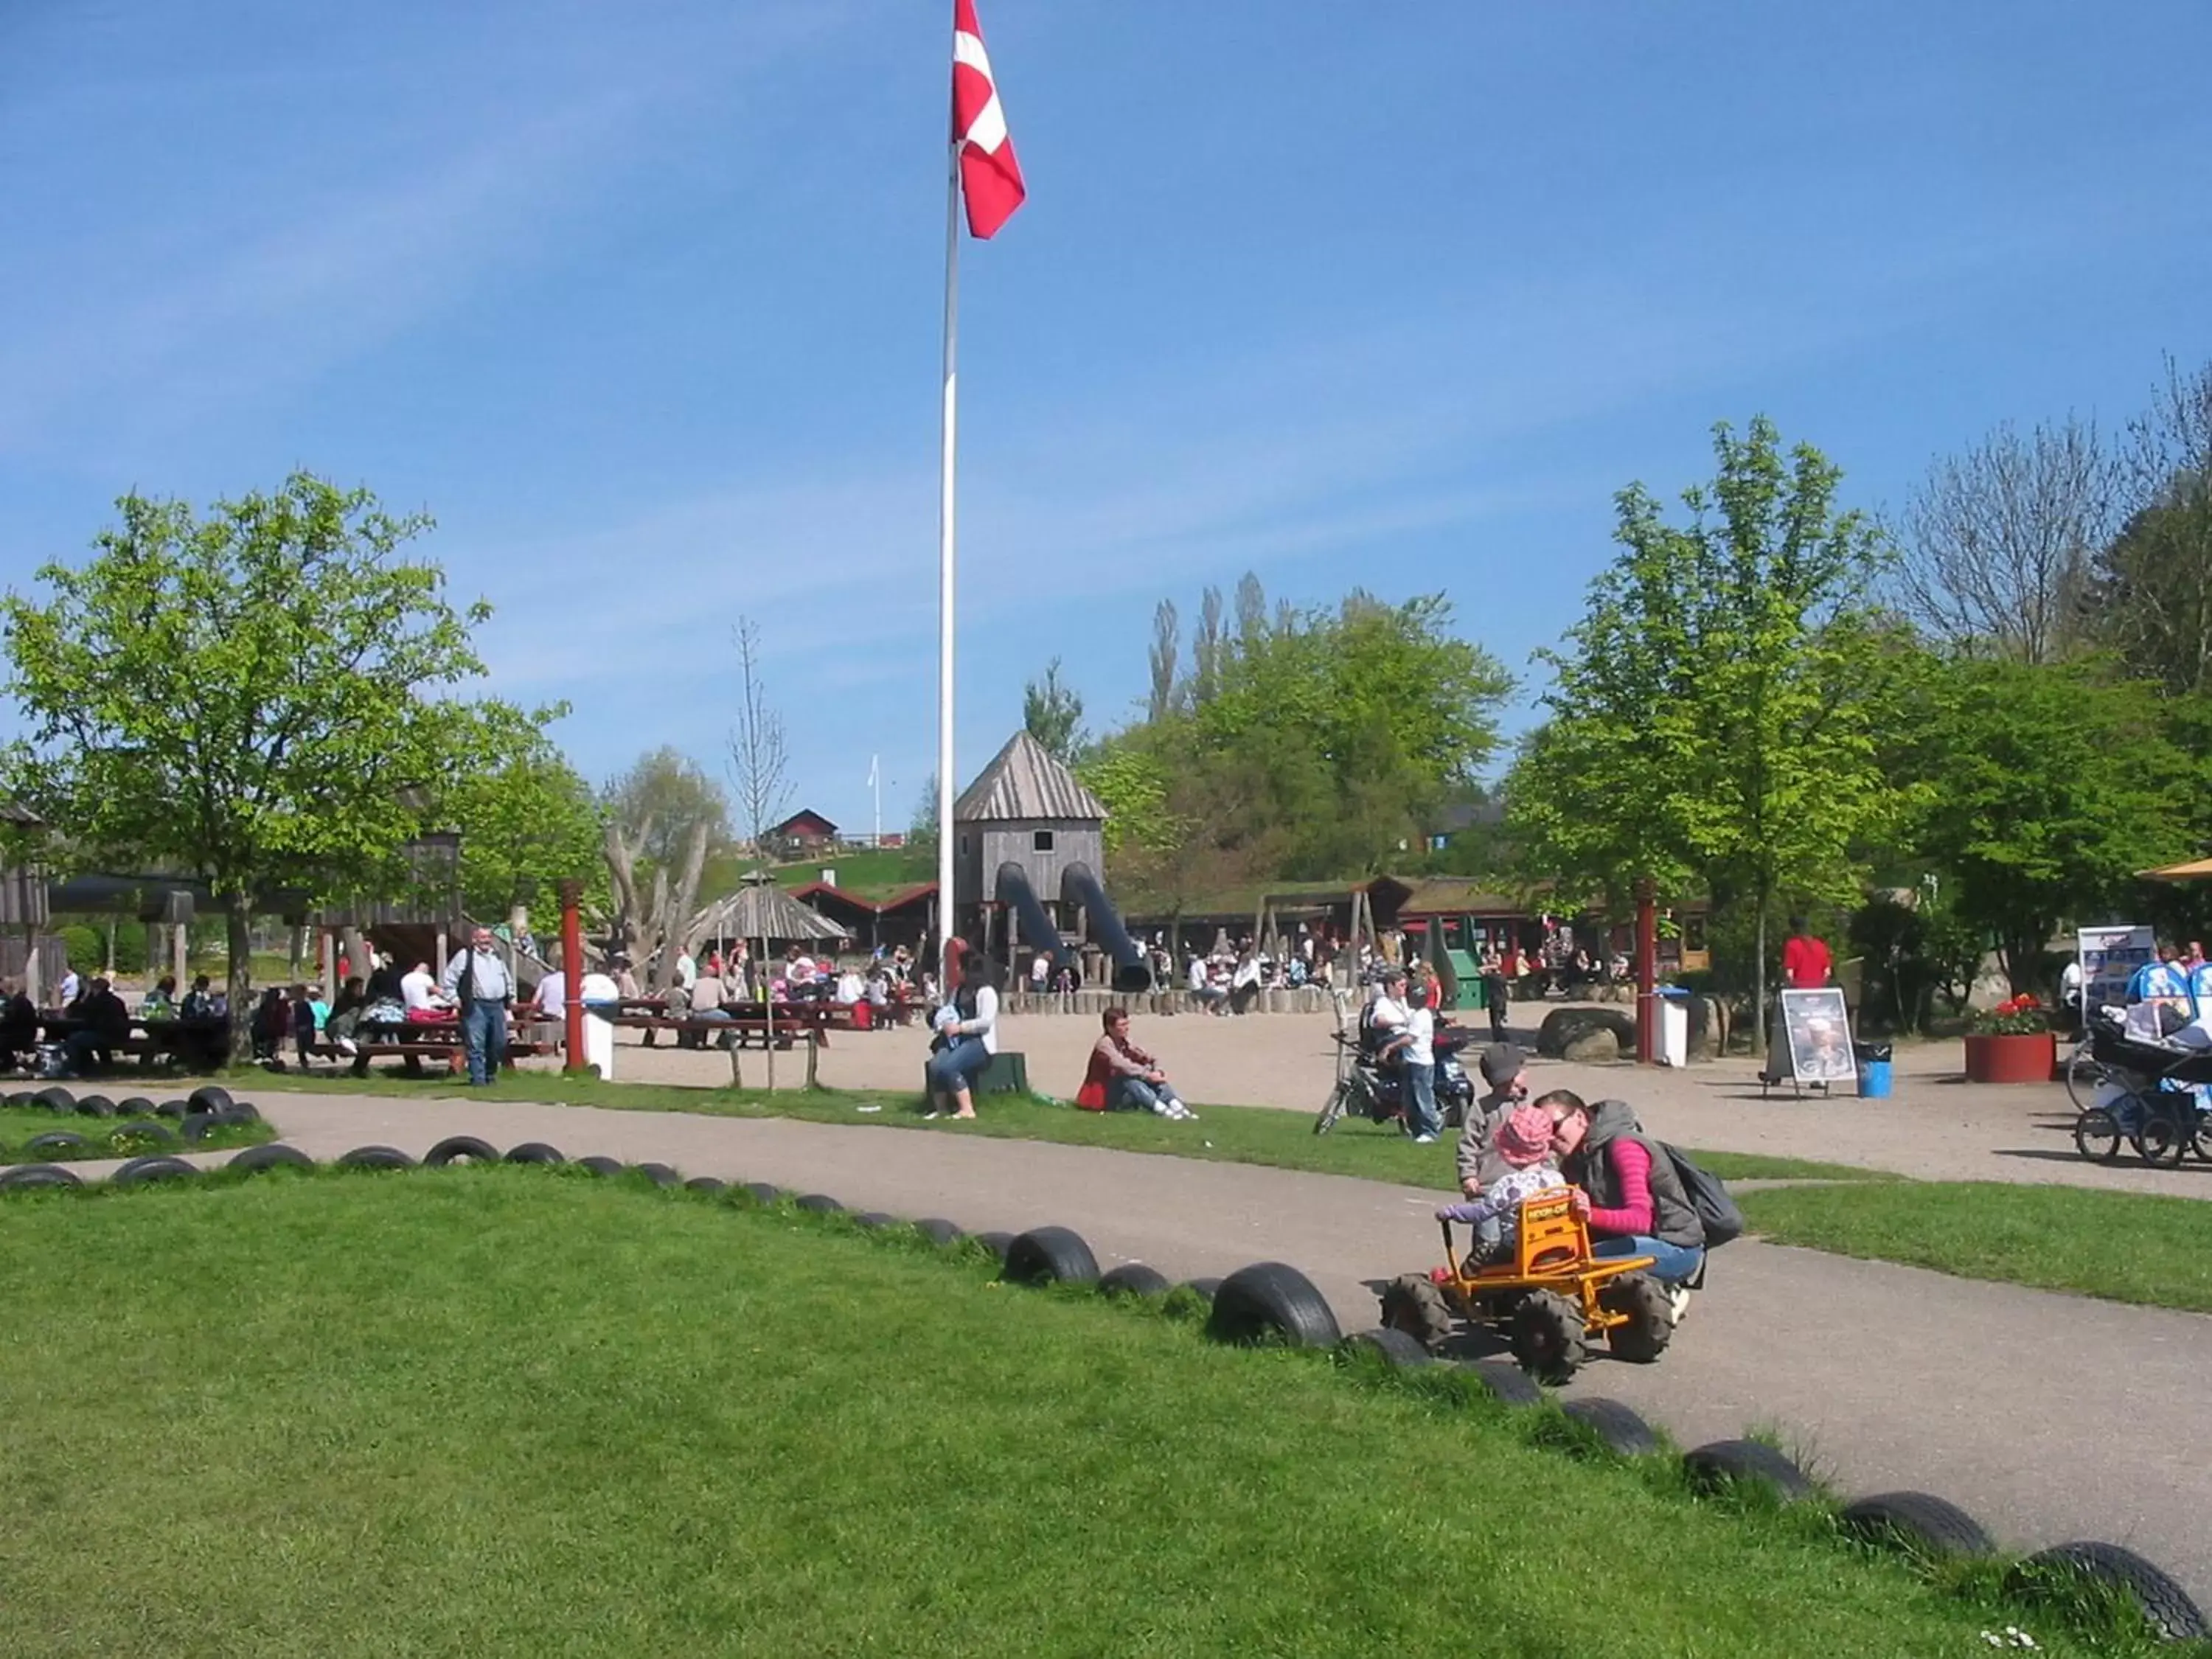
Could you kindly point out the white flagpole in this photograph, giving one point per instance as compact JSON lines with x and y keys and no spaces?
{"x":946,"y":786}
{"x":876,"y":783}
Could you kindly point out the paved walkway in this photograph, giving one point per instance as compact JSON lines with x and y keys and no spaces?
{"x":2049,"y":1416}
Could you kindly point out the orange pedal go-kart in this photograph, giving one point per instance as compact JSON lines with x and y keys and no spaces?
{"x":1551,"y":1297}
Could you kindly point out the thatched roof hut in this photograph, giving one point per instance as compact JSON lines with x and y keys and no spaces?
{"x":761,"y":909}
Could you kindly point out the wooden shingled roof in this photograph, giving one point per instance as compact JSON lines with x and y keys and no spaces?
{"x":1023,"y":781}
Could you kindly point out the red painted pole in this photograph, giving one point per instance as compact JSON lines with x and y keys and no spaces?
{"x":1647,"y":972}
{"x":572,"y":971}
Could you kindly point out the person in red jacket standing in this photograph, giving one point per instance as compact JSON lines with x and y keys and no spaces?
{"x":1805,"y":966}
{"x":1805,"y":961}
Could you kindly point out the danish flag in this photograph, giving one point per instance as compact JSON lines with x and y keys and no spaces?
{"x":990,"y":178}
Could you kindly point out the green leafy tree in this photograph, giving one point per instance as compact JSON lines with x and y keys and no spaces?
{"x":2051,"y":787}
{"x":248,"y":697}
{"x":1349,"y":727}
{"x":1714,"y":714}
{"x":2151,"y":591}
{"x":527,"y":819}
{"x":1053,"y":711}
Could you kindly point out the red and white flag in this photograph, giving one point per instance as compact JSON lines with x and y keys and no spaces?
{"x":990,"y":178}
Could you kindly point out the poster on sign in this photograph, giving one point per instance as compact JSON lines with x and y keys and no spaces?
{"x":2109,"y":959}
{"x":1820,"y":1032}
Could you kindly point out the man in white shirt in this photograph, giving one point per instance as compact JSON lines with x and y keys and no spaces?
{"x":419,"y":992}
{"x":552,"y":996}
{"x":687,"y":970}
{"x":69,"y":986}
{"x":1040,"y":973}
{"x":478,"y":980}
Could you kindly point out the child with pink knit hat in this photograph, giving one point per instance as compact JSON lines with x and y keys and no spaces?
{"x":1523,"y":1144}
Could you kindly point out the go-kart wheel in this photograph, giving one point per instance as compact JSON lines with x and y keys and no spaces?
{"x":1413,"y":1304}
{"x":1333,"y":1109}
{"x":2097,"y":1136}
{"x":1547,"y":1336}
{"x":2159,"y":1138}
{"x":1650,"y":1324}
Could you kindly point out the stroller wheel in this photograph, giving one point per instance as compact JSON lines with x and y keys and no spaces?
{"x":2160,"y":1140}
{"x":2097,"y":1136}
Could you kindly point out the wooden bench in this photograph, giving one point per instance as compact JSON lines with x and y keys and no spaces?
{"x":748,"y":1032}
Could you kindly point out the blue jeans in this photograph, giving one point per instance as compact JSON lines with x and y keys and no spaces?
{"x":954,"y":1068}
{"x":1671,"y":1263}
{"x":484,"y":1034}
{"x":1135,"y":1093}
{"x":1420,"y":1088}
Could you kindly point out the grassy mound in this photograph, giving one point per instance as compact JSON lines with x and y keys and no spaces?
{"x":503,"y":1411}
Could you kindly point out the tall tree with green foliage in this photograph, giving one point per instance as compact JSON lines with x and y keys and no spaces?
{"x":2047,"y":788}
{"x":249,"y":696}
{"x":527,"y":819}
{"x":1052,"y":710}
{"x":1714,"y":714}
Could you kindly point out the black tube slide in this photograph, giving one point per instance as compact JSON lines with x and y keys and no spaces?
{"x":1038,"y":932}
{"x":1132,"y":973}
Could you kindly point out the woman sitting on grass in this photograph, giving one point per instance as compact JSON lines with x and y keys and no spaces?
{"x":967,"y":1037}
{"x":1123,"y":1075}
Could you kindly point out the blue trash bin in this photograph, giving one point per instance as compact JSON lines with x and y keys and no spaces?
{"x":1873,"y":1069}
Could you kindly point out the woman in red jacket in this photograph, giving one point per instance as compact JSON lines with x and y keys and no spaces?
{"x":1121,"y":1075}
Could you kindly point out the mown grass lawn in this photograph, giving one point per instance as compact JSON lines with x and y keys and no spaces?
{"x":20,"y":1124}
{"x":1234,"y":1134}
{"x":2125,"y":1247}
{"x":506,"y":1411}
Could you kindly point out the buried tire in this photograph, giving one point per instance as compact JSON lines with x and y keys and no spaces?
{"x":55,"y":1141}
{"x":1399,"y":1350}
{"x":819,"y":1203}
{"x":1650,"y":1324}
{"x":146,"y":1129}
{"x":1502,"y":1381}
{"x":940,"y":1231}
{"x":1412,"y":1304}
{"x":1134,"y":1278}
{"x":376,"y":1158}
{"x":996,"y":1242}
{"x":2165,"y":1604}
{"x":1617,"y":1428}
{"x":141,"y":1171}
{"x":1547,"y":1336}
{"x":534,"y":1152}
{"x":1272,"y":1301}
{"x":275,"y":1155}
{"x":95,"y":1106}
{"x":660,"y":1175}
{"x":453,"y":1146}
{"x":25,"y":1176}
{"x":605,"y":1167}
{"x":210,"y":1098}
{"x":708,"y":1184}
{"x":761,"y":1192}
{"x":1050,"y":1255}
{"x":56,"y":1099}
{"x":1746,"y":1462}
{"x":1921,"y":1521}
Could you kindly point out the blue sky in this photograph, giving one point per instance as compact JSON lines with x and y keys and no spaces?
{"x":643,"y":303}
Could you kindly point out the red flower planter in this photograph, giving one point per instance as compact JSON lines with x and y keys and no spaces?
{"x":2025,"y":1057}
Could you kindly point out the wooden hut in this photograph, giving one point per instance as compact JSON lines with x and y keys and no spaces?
{"x":1024,"y":808}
